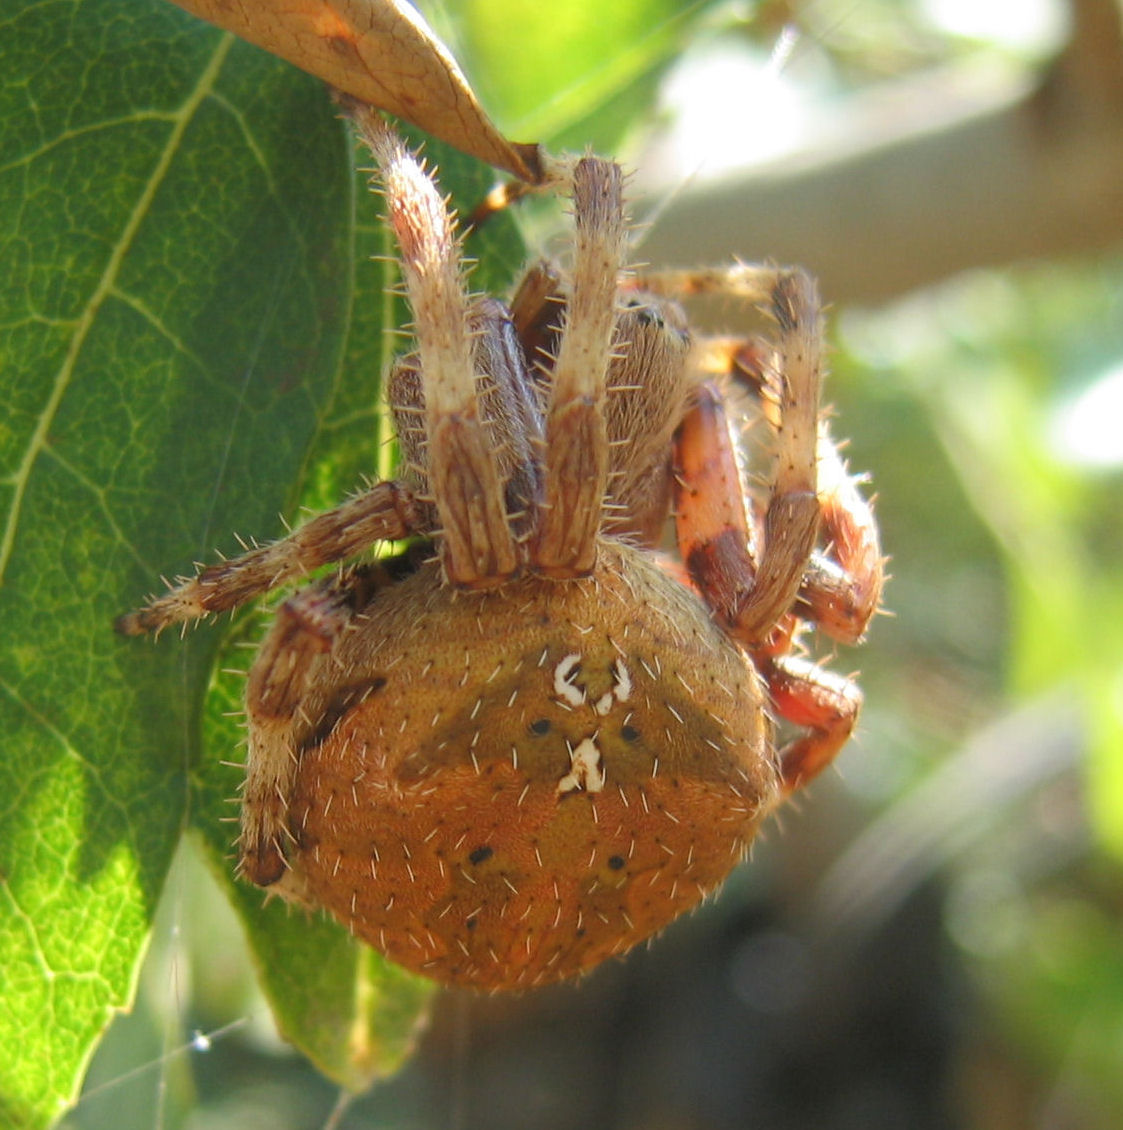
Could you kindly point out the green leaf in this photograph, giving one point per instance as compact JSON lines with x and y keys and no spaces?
{"x":176,"y":212}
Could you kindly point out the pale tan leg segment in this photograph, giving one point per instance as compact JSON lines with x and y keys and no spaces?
{"x":386,"y":512}
{"x":477,"y":545}
{"x":576,"y":460}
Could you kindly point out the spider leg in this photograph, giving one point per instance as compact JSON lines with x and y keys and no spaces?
{"x":842,"y":585}
{"x":753,"y":282}
{"x":841,"y":588}
{"x":720,"y":535}
{"x":385,"y":512}
{"x":715,"y":529}
{"x":825,"y":703}
{"x":508,"y":400}
{"x":298,"y":643}
{"x":714,"y":524}
{"x":648,"y":385}
{"x":577,"y":456}
{"x":478,"y":547}
{"x":536,"y":311}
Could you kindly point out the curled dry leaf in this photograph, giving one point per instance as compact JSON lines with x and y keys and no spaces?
{"x":381,"y":52}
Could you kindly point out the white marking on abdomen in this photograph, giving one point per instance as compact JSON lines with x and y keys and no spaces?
{"x":586,"y":769}
{"x":621,"y":688}
{"x":563,"y":688}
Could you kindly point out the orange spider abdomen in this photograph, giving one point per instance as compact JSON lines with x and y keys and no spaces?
{"x":503,"y":789}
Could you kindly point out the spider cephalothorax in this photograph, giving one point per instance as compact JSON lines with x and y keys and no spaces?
{"x":533,"y":739}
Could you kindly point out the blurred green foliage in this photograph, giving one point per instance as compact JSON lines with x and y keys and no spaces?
{"x":1008,"y":368}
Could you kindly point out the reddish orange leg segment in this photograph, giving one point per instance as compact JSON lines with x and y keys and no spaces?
{"x":826,"y":704}
{"x":717,"y":557}
{"x":714,"y":525}
{"x":716,"y":531}
{"x":714,"y":528}
{"x":842,"y":586}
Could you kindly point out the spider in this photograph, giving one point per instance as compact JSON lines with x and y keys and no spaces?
{"x":533,"y":738}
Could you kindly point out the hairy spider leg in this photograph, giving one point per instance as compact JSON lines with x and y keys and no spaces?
{"x":752,"y":590}
{"x":722,"y":565}
{"x":842,"y":585}
{"x":509,"y":403}
{"x":841,"y":588}
{"x":721,"y":538}
{"x":825,"y":703}
{"x":478,"y":547}
{"x":536,"y":310}
{"x":303,"y":633}
{"x":387,"y":511}
{"x":577,"y":455}
{"x":298,"y":645}
{"x":648,"y":385}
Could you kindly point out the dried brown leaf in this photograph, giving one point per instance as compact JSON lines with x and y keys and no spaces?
{"x":381,"y":52}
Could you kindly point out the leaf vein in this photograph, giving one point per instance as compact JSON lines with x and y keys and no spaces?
{"x":103,"y":505}
{"x":67,"y":135}
{"x":101,"y":291}
{"x":140,"y":307}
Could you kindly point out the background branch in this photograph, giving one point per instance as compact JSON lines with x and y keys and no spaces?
{"x":931,"y":175}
